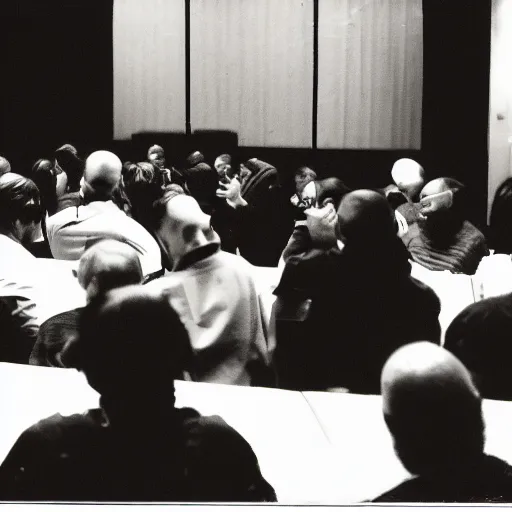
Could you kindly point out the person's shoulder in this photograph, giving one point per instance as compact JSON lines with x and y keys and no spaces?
{"x":406,"y":492}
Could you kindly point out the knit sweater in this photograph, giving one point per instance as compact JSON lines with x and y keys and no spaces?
{"x":461,"y":254}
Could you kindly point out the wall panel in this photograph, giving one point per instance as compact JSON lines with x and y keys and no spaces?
{"x":370,"y":74}
{"x":252,"y":69}
{"x":149,"y":66}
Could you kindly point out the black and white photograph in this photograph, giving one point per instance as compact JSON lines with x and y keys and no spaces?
{"x":255,"y":252}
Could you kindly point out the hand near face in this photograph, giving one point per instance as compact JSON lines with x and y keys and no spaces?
{"x":321,"y":223}
{"x":231,"y":192}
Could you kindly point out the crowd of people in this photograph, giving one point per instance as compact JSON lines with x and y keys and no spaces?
{"x":165,"y":257}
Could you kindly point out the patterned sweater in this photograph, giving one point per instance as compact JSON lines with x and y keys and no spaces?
{"x":461,"y":255}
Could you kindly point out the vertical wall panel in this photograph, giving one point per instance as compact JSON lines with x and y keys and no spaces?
{"x":252,"y":69}
{"x":149,"y":66}
{"x":370,"y":74}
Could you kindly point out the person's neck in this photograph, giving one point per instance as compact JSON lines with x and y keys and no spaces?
{"x":134,"y":412}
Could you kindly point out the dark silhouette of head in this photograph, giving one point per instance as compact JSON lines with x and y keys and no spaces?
{"x":365,"y":216}
{"x":330,"y":190}
{"x":5,"y":166}
{"x":194,"y":158}
{"x":43,"y":175}
{"x":67,"y":159}
{"x":20,"y":208}
{"x":131,"y":347}
{"x":433,"y":410}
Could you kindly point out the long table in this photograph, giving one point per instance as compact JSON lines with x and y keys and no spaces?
{"x":314,"y":448}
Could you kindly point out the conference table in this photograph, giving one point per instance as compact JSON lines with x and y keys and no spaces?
{"x":312,"y":447}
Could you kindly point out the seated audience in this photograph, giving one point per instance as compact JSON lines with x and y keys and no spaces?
{"x":73,"y":230}
{"x":443,"y":239}
{"x":108,"y":264}
{"x":264,"y":214}
{"x":137,"y":446}
{"x":5,"y":166}
{"x":480,"y":337}
{"x":434,"y":413}
{"x":156,"y":156}
{"x":214,"y":294}
{"x":500,"y":236}
{"x":20,"y":226}
{"x":356,"y":304}
{"x":66,"y":161}
{"x":223,"y":167}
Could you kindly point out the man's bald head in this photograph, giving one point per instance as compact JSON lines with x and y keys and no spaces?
{"x":432,"y":408}
{"x":409,"y":177}
{"x":365,"y":215}
{"x":108,"y":264}
{"x":184,"y":227}
{"x":102,"y":174}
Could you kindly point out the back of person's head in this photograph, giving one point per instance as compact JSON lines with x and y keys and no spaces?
{"x":194,"y":158}
{"x":20,"y":209}
{"x":432,"y":409}
{"x":66,"y":157}
{"x":409,"y":177}
{"x":106,"y":265}
{"x":455,"y":209}
{"x":101,"y":176}
{"x":501,"y":219}
{"x":45,"y":179}
{"x":131,"y":346}
{"x":181,"y":226}
{"x":142,"y":185}
{"x":330,"y":190}
{"x":365,"y":216}
{"x":5,"y":166}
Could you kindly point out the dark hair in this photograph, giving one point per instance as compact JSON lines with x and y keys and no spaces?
{"x":15,"y":194}
{"x":500,"y":229}
{"x":67,"y":158}
{"x":305,"y":172}
{"x":130,"y":337}
{"x":46,"y":181}
{"x":159,"y":207}
{"x":5,"y":166}
{"x":143,"y":186}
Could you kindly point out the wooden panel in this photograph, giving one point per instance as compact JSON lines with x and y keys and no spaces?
{"x":370,"y":74}
{"x":149,"y":66}
{"x":252,"y":69}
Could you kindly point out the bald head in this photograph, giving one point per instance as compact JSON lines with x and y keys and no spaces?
{"x":409,"y":177}
{"x":184,"y":227}
{"x":432,"y":408}
{"x":108,"y":264}
{"x":364,"y":215}
{"x":102,"y":174}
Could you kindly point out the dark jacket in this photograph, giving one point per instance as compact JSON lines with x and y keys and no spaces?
{"x":490,"y":482}
{"x":480,"y":336}
{"x":364,"y":305}
{"x":83,"y":458}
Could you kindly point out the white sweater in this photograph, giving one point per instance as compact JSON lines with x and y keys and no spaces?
{"x":72,"y":230}
{"x":217,"y":301}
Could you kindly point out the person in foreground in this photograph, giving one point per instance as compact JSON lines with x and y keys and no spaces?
{"x":106,"y":265}
{"x":364,"y":304}
{"x":137,"y":446}
{"x":434,"y":413}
